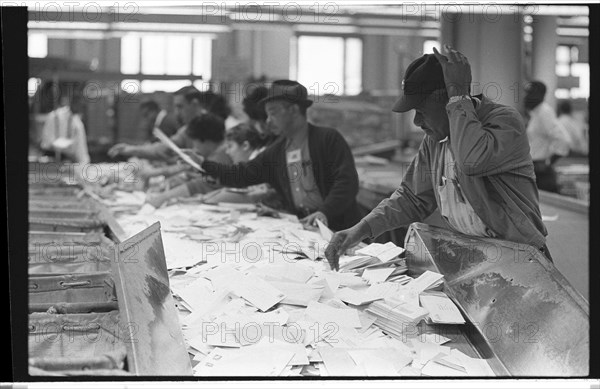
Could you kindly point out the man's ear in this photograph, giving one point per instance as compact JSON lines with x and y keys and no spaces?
{"x":296,"y":109}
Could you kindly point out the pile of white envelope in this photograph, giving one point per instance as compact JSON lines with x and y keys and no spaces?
{"x":257,"y":298}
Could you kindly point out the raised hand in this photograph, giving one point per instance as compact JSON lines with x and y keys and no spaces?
{"x":457,"y":71}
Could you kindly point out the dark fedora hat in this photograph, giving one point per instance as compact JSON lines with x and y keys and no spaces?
{"x":288,"y":90}
{"x":422,"y":77}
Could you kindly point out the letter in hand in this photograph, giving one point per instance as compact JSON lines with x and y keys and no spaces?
{"x":342,"y":241}
{"x":199,"y":159}
{"x":118,"y":149}
{"x":456,"y":69}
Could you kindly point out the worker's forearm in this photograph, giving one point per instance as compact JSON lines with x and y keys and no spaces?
{"x":177,"y":192}
{"x":167,"y":171}
{"x":153,"y":151}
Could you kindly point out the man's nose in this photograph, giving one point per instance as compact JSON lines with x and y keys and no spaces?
{"x":418,"y":120}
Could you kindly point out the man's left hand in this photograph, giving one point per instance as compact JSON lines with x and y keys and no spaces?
{"x":311,"y":220}
{"x":457,"y":71}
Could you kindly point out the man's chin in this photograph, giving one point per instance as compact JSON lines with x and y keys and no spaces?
{"x":433,"y":135}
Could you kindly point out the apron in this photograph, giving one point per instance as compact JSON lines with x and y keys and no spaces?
{"x":454,"y":207}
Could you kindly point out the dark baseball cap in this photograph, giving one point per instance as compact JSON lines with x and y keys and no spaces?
{"x":423,"y":76}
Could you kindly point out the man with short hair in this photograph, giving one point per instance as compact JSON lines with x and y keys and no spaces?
{"x":548,"y":139}
{"x":187,"y":103}
{"x":311,"y":167}
{"x":473,"y":164}
{"x":154,"y":117}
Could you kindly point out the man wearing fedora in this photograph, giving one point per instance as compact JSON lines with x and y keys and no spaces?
{"x":473,"y":164}
{"x":311,"y":167}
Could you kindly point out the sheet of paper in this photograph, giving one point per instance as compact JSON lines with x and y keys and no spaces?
{"x":376,"y":276}
{"x":433,"y":338}
{"x":197,"y":293}
{"x":385,"y":252}
{"x":434,"y":369}
{"x":325,"y":314}
{"x":426,"y":351}
{"x":356,"y":297}
{"x":332,"y":281}
{"x":347,"y":279}
{"x":258,"y":292}
{"x":326,"y":233}
{"x":169,"y":143}
{"x":294,"y":272}
{"x":223,"y":276}
{"x":376,"y":363}
{"x":298,"y":294}
{"x":180,"y":252}
{"x":300,"y":353}
{"x":474,"y":367}
{"x":441,"y":309}
{"x":247,"y":361}
{"x":339,"y":363}
{"x":426,"y":281}
{"x":215,"y":301}
{"x":216,"y":337}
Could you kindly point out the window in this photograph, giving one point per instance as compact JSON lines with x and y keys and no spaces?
{"x":37,"y":46}
{"x":329,"y":65}
{"x":569,"y":67}
{"x":168,"y":55}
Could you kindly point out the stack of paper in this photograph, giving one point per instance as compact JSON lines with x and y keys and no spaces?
{"x":396,"y":320}
{"x":401,"y":279}
{"x":354,"y":262}
{"x":252,"y":300}
{"x":441,"y":309}
{"x":385,"y":252}
{"x":427,"y":280}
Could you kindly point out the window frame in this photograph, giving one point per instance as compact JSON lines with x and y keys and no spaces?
{"x":345,"y":37}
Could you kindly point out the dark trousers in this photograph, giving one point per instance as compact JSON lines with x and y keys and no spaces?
{"x":545,"y":176}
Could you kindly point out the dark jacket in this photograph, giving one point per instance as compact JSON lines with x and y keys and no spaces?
{"x":169,"y":125}
{"x":333,"y":168}
{"x":493,"y":167}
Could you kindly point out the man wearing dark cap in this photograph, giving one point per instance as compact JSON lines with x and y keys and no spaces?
{"x":311,"y":167}
{"x":473,"y":164}
{"x":548,"y":139}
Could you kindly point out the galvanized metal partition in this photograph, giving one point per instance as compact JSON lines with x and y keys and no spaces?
{"x":523,"y":315}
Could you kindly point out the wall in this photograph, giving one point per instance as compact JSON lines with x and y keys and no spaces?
{"x":495,"y":63}
{"x":544,"y":45}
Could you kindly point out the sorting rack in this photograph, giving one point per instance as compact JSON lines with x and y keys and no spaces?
{"x":99,"y":304}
